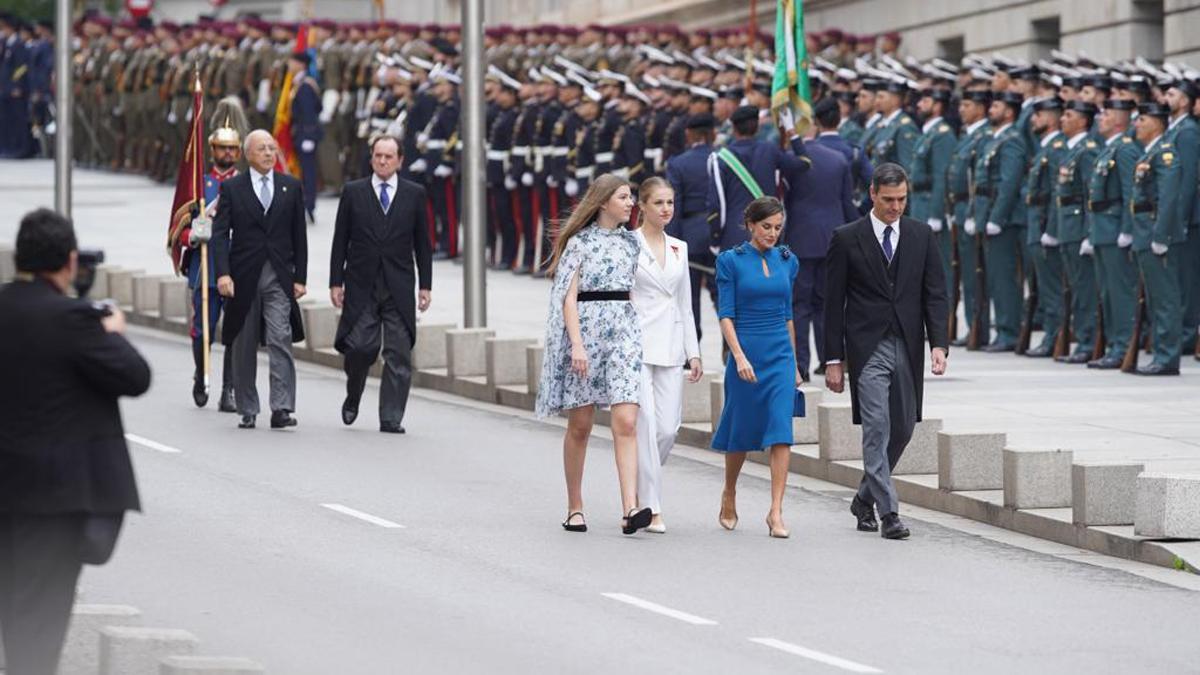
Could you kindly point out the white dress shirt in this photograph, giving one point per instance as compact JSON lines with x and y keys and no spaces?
{"x":256,"y":180}
{"x":376,"y":181}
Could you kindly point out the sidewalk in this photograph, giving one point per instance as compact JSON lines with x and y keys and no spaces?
{"x":1098,"y":415}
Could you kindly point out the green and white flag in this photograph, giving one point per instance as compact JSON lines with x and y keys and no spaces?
{"x":789,"y":88}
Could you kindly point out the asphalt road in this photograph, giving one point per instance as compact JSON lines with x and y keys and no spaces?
{"x":332,"y":550}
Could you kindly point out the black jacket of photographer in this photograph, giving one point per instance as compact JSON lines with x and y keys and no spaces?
{"x":62,"y":445}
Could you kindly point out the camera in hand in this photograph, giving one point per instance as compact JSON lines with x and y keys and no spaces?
{"x":89,"y":259}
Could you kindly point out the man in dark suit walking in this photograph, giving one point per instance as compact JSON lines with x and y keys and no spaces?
{"x":688,"y":174}
{"x":260,"y":250}
{"x":885,"y":295}
{"x":65,"y":475}
{"x":380,"y":230}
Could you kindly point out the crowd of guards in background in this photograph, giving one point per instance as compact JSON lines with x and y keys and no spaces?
{"x":1063,"y":192}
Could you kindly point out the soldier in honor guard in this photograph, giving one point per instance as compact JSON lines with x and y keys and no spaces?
{"x":612,"y":87}
{"x":419,"y":112}
{"x":1183,"y":133}
{"x":629,"y":144}
{"x":441,"y":150}
{"x":581,"y":161}
{"x":225,"y":144}
{"x":896,"y":134}
{"x":999,"y":173}
{"x":500,"y":182}
{"x":1022,"y":80}
{"x":687,"y":173}
{"x":1157,"y":235}
{"x":548,"y":139}
{"x":306,"y":126}
{"x":745,"y":170}
{"x":927,"y":174}
{"x":526,"y":210}
{"x":331,"y":68}
{"x":1042,"y":222}
{"x":1070,"y":200}
{"x":674,"y":137}
{"x":1108,"y":190}
{"x":960,"y":186}
{"x":868,"y":111}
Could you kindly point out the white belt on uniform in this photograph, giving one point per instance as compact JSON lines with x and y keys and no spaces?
{"x":585,"y":172}
{"x":604,"y":157}
{"x":497,"y":155}
{"x":435,"y":144}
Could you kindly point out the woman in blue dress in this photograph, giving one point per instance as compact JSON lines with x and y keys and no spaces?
{"x":593,"y":351}
{"x":754,"y":284}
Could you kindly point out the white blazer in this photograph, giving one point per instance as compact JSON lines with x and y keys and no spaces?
{"x":662,"y":297}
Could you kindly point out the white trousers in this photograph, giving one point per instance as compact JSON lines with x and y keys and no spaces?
{"x":660,"y":413}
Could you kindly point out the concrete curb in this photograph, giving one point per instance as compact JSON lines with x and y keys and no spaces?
{"x":920,"y":489}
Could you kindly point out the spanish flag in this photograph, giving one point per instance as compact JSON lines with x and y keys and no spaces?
{"x":286,"y":159}
{"x":789,"y":88}
{"x":189,"y":186}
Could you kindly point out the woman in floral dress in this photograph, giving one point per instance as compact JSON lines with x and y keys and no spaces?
{"x":594,"y":342}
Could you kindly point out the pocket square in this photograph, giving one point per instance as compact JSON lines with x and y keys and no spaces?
{"x":798,"y":404}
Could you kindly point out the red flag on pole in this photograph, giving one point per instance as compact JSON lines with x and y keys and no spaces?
{"x":189,"y":185}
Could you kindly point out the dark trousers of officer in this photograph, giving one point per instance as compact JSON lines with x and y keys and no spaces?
{"x":1048,"y":268}
{"x":308,"y":179}
{"x":1163,"y":305}
{"x":1188,"y":252}
{"x":215,"y":302}
{"x":507,"y":225}
{"x":551,"y":200}
{"x":39,"y":567}
{"x":528,"y":218}
{"x":1081,"y":276}
{"x":443,"y":194}
{"x":380,"y":320}
{"x":700,"y":277}
{"x":808,"y":308}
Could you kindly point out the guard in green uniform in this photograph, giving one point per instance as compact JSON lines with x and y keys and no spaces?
{"x":896,"y":134}
{"x":1108,"y":215}
{"x":848,"y":127}
{"x":1157,"y":234}
{"x":1070,"y":196}
{"x":1040,"y":212}
{"x":999,"y":172}
{"x":972,"y":109}
{"x":1183,"y":133}
{"x":927,"y":174}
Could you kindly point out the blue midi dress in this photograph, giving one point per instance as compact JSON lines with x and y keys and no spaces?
{"x":757,"y":415}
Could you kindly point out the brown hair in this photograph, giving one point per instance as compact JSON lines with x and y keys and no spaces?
{"x":648,"y":186}
{"x":760,"y":209}
{"x":598,"y":194}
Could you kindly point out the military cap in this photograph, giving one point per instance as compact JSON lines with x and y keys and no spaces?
{"x":421,"y":63}
{"x":705,"y":63}
{"x":1188,"y":88}
{"x":939,"y":95}
{"x":1012,"y":99}
{"x":1083,"y":107}
{"x":944,"y":66}
{"x":591,"y":96}
{"x":1053,"y":103}
{"x":503,"y":78}
{"x":872,"y":84}
{"x":571,"y":31}
{"x":443,"y":46}
{"x":1155,"y":109}
{"x":703,"y":92}
{"x":1101,"y":82}
{"x":733,"y":91}
{"x":325,"y":24}
{"x":834,"y":34}
{"x":896,"y":85}
{"x":892,"y":35}
{"x":847,"y":96}
{"x":1024,"y":72}
{"x":631,"y":91}
{"x":533,"y":75}
{"x":1138,"y":84}
{"x":554,"y":76}
{"x":744,"y":113}
{"x":845,"y":75}
{"x":1120,"y":104}
{"x":446,"y":75}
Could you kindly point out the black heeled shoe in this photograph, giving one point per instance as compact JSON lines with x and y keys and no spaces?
{"x":636,"y":520}
{"x":571,"y":527}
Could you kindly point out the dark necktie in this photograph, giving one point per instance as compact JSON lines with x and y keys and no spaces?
{"x":384,"y":200}
{"x":887,"y":244}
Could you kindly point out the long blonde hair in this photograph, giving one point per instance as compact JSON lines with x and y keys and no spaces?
{"x":597,"y":195}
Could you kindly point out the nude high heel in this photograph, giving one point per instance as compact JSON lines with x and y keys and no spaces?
{"x":727,"y":523}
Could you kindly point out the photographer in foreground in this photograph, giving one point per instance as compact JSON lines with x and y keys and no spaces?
{"x":65,"y":473}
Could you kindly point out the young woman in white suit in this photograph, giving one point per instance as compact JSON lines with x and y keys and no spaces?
{"x":662,"y":299}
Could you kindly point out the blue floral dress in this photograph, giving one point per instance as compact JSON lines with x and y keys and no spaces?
{"x":605,"y":260}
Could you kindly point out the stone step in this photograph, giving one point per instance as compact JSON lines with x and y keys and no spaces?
{"x":1168,"y":506}
{"x":1036,"y":478}
{"x":970,"y":461}
{"x":128,"y":650}
{"x":1104,"y":493}
{"x":209,"y":665}
{"x":466,"y":351}
{"x":81,"y":649}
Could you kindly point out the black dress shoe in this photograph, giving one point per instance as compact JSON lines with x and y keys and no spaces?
{"x":819,"y":370}
{"x":349,"y":411}
{"x":391,"y":428}
{"x":1040,"y":352}
{"x":522,"y":271}
{"x":1106,"y":363}
{"x":199,"y":393}
{"x":1078,"y":357}
{"x":281,"y":419}
{"x":999,"y":348}
{"x":865,"y":514}
{"x":247,"y":422}
{"x":804,"y":376}
{"x":960,"y":342}
{"x":1157,"y":369}
{"x":228,"y":402}
{"x":893,"y":528}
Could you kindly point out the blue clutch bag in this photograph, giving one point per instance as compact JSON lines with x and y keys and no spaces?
{"x":798,"y":404}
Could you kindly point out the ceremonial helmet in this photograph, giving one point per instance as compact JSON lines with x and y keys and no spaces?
{"x":229,"y":124}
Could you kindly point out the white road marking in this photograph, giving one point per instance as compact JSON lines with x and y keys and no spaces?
{"x":354,"y":513}
{"x":827,"y":659}
{"x":659,"y":609}
{"x":153,"y":445}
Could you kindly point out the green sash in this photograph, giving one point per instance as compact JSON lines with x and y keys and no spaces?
{"x":740,"y":171}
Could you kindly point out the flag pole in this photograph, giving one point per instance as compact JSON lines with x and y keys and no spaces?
{"x":203,"y":256}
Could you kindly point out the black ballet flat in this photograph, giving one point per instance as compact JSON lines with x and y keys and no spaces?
{"x":636,"y":520}
{"x":581,"y":527}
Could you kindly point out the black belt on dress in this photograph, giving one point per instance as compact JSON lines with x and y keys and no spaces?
{"x":597,"y":296}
